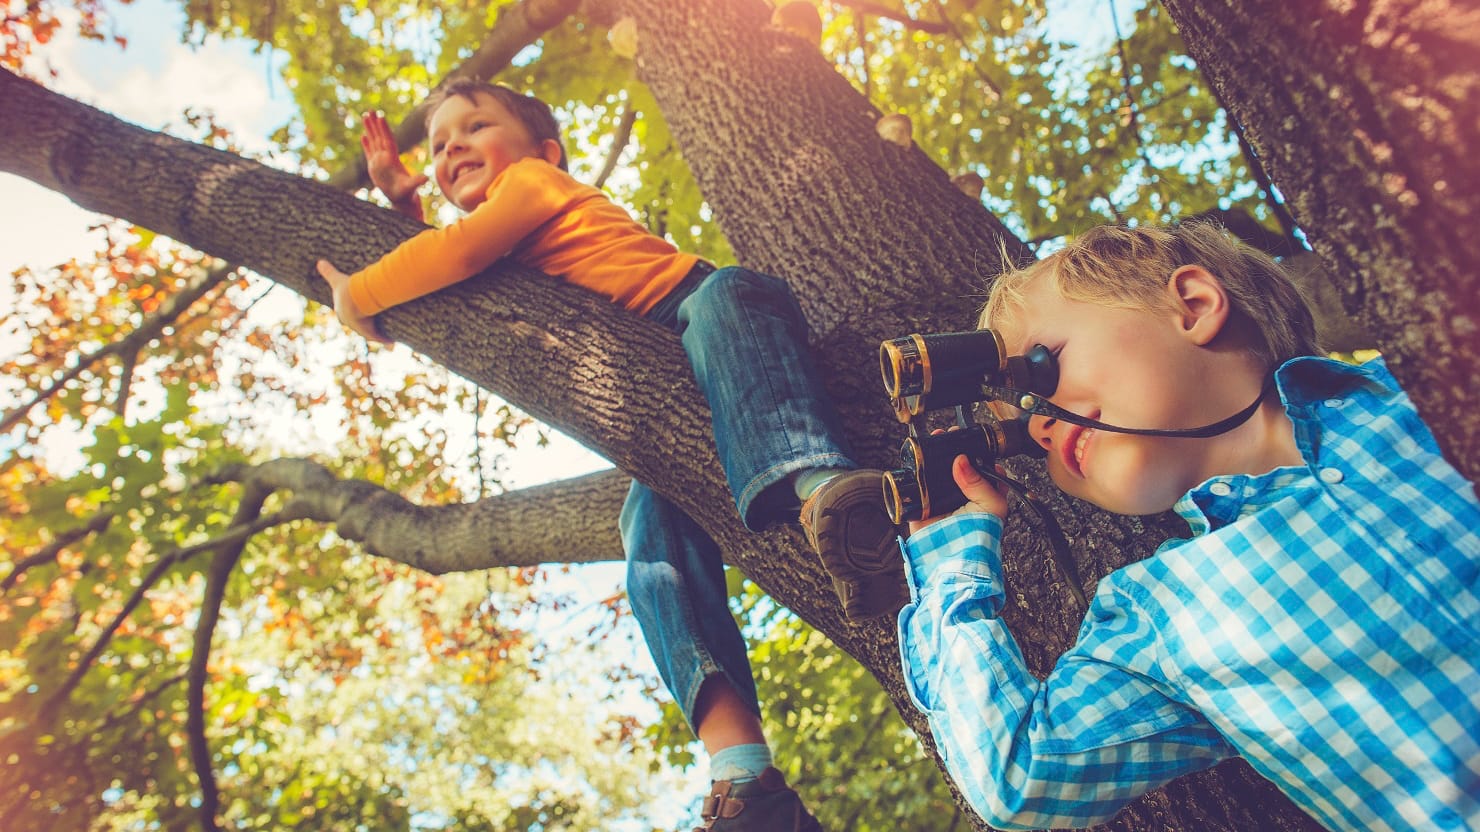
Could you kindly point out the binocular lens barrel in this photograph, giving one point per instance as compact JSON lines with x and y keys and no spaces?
{"x":943,"y":370}
{"x":924,"y":487}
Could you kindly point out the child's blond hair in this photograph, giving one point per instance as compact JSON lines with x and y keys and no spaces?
{"x":534,"y":114}
{"x":1128,"y":268}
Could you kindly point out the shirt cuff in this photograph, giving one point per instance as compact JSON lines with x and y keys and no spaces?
{"x":967,"y":543}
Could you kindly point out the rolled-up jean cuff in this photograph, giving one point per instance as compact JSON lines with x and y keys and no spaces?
{"x":762,"y":506}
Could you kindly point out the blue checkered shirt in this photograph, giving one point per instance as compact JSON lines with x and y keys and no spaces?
{"x":1322,"y":621}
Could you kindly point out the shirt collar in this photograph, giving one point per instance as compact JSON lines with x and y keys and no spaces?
{"x":1302,"y":383}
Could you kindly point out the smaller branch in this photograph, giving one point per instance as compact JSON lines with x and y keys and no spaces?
{"x":1130,"y":97}
{"x":248,"y":517}
{"x":562,"y":522}
{"x":517,"y":27}
{"x":865,"y":7}
{"x":620,"y":140}
{"x":130,"y":343}
{"x":125,"y":381}
{"x":49,"y":552}
{"x":234,"y":535}
{"x":139,"y":703}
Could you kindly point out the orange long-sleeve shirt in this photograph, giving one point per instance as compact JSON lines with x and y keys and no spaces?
{"x":542,"y":217}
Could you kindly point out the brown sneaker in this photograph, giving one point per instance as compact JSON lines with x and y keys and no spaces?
{"x":847,"y":525}
{"x":766,"y":804}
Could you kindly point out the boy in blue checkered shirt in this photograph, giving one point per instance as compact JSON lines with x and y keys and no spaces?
{"x":1323,"y":619}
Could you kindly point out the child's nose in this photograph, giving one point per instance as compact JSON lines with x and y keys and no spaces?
{"x":1041,"y":429}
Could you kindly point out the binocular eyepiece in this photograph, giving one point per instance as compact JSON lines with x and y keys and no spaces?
{"x":952,"y":369}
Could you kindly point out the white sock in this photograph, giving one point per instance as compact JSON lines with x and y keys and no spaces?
{"x":808,"y":481}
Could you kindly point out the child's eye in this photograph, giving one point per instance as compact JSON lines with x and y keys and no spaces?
{"x":437,"y":149}
{"x":478,"y":125}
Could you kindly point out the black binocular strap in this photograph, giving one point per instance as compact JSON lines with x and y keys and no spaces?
{"x":1036,"y":405}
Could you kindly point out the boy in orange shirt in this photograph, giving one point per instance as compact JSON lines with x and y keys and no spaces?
{"x":497,"y":155}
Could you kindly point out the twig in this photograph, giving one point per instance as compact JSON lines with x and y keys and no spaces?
{"x":125,"y":381}
{"x":945,"y":20}
{"x":49,"y":552}
{"x":1130,"y":98}
{"x":899,"y":17}
{"x":237,"y":534}
{"x":620,"y":139}
{"x":132,"y":342}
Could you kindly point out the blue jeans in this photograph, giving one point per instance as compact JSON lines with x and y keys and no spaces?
{"x":747,"y":343}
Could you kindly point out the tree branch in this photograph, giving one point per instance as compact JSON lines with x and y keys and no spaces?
{"x":49,"y":552}
{"x":129,"y":344}
{"x":247,"y":520}
{"x":237,"y":534}
{"x":865,"y":7}
{"x":572,"y":521}
{"x":620,"y":139}
{"x":517,"y":27}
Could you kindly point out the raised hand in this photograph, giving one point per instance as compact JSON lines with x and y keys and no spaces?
{"x":383,"y":160}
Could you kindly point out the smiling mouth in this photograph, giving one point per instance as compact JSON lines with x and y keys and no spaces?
{"x":458,"y":171}
{"x":1074,"y":449}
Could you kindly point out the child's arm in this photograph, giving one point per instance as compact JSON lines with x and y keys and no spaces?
{"x":1068,"y":751}
{"x":519,"y":201}
{"x":387,"y":171}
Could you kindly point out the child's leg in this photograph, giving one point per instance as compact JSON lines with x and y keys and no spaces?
{"x":747,"y":342}
{"x":780,"y":438}
{"x":676,"y":585}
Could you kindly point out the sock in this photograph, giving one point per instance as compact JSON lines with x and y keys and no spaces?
{"x":740,"y":763}
{"x":808,"y":481}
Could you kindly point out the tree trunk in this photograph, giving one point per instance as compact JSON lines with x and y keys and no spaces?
{"x":1365,"y":116}
{"x":873,"y":237}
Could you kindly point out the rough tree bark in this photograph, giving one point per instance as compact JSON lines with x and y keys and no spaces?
{"x":1365,"y":115}
{"x":874,"y":238}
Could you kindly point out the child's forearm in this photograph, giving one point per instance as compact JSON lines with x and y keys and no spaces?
{"x":1030,"y":754}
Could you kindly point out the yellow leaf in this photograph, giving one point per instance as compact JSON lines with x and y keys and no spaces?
{"x":623,"y":37}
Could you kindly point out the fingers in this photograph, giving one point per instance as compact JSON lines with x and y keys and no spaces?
{"x":328,"y":272}
{"x":378,"y":135}
{"x":975,"y":487}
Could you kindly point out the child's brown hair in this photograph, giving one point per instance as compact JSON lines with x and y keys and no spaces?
{"x":534,"y":114}
{"x":1128,"y":268}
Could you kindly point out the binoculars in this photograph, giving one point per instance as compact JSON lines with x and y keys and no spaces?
{"x":954,"y":370}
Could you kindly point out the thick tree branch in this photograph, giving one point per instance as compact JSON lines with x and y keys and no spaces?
{"x":1364,"y":116}
{"x":571,"y":521}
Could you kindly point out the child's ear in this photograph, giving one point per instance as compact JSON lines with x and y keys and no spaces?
{"x":1201,"y":302}
{"x":550,"y":151}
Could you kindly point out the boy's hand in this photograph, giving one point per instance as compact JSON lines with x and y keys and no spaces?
{"x":383,"y":160}
{"x":980,"y":495}
{"x":344,"y":304}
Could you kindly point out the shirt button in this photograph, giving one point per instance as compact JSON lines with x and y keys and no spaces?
{"x":1331,"y":476}
{"x":1220,"y":489}
{"x":1334,"y":402}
